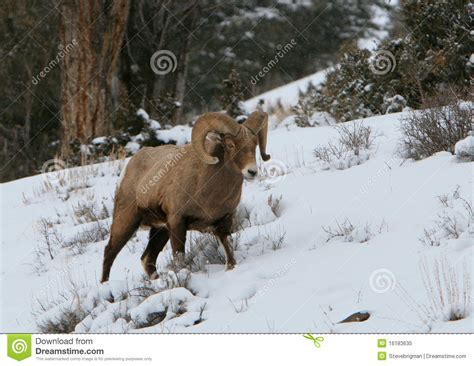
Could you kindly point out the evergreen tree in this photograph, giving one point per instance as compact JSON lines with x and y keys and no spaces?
{"x":232,"y":94}
{"x":432,"y":57}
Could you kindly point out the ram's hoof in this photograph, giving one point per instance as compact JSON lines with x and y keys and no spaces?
{"x":230,"y":266}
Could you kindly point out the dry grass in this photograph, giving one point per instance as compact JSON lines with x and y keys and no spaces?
{"x":275,"y":239}
{"x":274,"y":203}
{"x":449,"y":292}
{"x":89,"y":211}
{"x":64,"y":323}
{"x":204,"y":249}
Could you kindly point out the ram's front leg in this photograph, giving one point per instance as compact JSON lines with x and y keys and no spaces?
{"x":223,"y":230}
{"x":229,"y":253}
{"x":177,"y":229}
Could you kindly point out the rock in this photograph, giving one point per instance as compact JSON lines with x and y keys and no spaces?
{"x":360,"y":316}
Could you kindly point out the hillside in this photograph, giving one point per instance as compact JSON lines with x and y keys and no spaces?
{"x":318,"y":242}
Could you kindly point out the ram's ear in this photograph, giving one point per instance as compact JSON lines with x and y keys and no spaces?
{"x":213,"y":141}
{"x":214,"y":137}
{"x":229,"y":142}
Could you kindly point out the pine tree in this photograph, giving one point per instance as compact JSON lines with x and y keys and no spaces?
{"x":232,"y":94}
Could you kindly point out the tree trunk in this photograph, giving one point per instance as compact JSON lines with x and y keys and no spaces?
{"x":91,"y":36}
{"x":183,"y":61}
{"x":180,"y":87}
{"x":157,"y":84}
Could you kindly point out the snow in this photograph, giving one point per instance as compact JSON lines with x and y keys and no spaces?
{"x":465,"y":148}
{"x":166,"y":300}
{"x":261,"y":215}
{"x":154,"y":125}
{"x":381,"y":18}
{"x":180,"y":134}
{"x":322,"y":119}
{"x":132,"y":147}
{"x":288,"y":94}
{"x":291,"y":275}
{"x":99,"y":140}
{"x":142,"y":113}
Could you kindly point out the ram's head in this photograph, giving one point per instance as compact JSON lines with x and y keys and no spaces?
{"x":238,"y":142}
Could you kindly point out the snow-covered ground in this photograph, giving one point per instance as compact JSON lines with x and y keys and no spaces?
{"x":287,"y":95}
{"x":399,"y":258}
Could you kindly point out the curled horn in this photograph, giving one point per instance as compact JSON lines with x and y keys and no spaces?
{"x":257,"y":123}
{"x":217,"y":122}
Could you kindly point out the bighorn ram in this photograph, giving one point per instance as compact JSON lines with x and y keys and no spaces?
{"x":193,"y":187}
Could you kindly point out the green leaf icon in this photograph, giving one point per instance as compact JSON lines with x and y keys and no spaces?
{"x":19,"y":346}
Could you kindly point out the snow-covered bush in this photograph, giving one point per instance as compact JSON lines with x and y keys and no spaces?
{"x":456,"y":218}
{"x":63,"y":322}
{"x":394,"y":104}
{"x":429,"y":131}
{"x":308,"y":114}
{"x":464,"y":149}
{"x":121,"y":306}
{"x":348,"y":232}
{"x":351,"y":148}
{"x":144,"y":132}
{"x":352,"y":90}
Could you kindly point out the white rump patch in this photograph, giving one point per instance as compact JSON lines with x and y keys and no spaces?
{"x":122,"y":174}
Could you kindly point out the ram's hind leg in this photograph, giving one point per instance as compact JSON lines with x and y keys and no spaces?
{"x":158,"y":238}
{"x":120,"y":233}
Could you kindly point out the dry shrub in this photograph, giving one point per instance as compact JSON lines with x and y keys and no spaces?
{"x":429,"y":131}
{"x":351,"y":148}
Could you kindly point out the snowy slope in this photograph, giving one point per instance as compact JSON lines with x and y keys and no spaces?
{"x":289,"y":277}
{"x":287,"y":94}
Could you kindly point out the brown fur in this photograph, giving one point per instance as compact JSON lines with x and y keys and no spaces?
{"x":172,"y":190}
